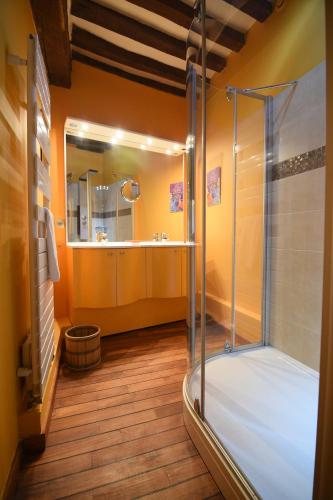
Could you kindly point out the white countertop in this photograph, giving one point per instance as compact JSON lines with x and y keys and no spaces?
{"x":129,"y":244}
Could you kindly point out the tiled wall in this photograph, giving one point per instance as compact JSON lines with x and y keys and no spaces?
{"x":106,"y":204}
{"x":104,"y":212}
{"x":297,"y":220}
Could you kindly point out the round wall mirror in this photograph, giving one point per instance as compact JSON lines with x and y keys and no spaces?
{"x":130,"y":190}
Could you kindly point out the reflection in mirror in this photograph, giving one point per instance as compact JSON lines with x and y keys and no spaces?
{"x":119,"y":184}
{"x":130,"y":190}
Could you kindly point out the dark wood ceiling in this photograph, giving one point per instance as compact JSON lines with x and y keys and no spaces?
{"x":141,"y":40}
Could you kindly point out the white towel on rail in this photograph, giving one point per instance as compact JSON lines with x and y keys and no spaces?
{"x":52,"y":257}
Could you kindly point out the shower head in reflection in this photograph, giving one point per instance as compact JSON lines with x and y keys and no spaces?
{"x":229,"y":93}
{"x":229,"y":96}
{"x":84,"y":176}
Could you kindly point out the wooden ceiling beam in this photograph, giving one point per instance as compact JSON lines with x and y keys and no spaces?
{"x":130,"y":28}
{"x":182,"y":14}
{"x":129,"y":76}
{"x":260,"y":10}
{"x":87,"y":41}
{"x":52,"y":27}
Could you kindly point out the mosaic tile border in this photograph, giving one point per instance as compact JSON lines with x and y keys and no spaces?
{"x":300,"y":163}
{"x":103,"y":215}
{"x":111,"y":214}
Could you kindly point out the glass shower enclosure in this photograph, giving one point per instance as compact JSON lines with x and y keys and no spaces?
{"x":253,"y":389}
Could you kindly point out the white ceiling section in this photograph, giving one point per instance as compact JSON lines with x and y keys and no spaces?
{"x":128,"y":44}
{"x":227,"y":14}
{"x":128,"y":69}
{"x":220,"y":10}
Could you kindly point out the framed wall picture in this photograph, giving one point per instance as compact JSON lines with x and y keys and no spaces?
{"x":214,"y":187}
{"x":176,"y":197}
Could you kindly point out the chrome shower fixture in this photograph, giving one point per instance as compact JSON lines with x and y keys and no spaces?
{"x":231,"y":91}
{"x":277,"y":85}
{"x":84,"y":176}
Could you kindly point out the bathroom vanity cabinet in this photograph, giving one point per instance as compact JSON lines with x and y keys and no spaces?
{"x":164,"y":272}
{"x":108,"y":277}
{"x":131,"y":275}
{"x":94,"y":278}
{"x":127,"y":288}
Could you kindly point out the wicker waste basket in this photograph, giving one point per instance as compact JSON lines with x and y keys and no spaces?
{"x":83,"y":347}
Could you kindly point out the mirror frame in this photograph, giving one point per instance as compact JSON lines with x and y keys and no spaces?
{"x":122,"y":188}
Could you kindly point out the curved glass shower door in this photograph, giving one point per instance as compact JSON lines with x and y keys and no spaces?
{"x":193,"y":185}
{"x":252,"y":166}
{"x":207,"y":335}
{"x":233,"y":232}
{"x":256,"y":178}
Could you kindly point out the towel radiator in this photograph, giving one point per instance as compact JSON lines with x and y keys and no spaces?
{"x":39,"y":195}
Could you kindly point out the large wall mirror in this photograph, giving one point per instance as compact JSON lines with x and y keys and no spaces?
{"x":122,"y":186}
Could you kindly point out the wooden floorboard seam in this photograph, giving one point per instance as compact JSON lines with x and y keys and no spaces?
{"x":118,"y":432}
{"x":55,"y":415}
{"x":92,"y":467}
{"x":30,"y":466}
{"x":76,"y":425}
{"x":156,"y":492}
{"x":142,"y":474}
{"x":178,"y":410}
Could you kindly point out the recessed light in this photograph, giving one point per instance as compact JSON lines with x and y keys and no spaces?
{"x":119,"y":134}
{"x":84,"y":126}
{"x":143,"y":146}
{"x":168,"y":152}
{"x":149,"y":140}
{"x":81,"y":134}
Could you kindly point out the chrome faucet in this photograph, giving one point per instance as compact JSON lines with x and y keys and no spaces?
{"x":160,"y":236}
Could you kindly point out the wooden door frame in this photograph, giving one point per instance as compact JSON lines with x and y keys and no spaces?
{"x":324,"y":455}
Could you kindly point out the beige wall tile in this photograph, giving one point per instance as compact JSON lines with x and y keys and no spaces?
{"x":299,"y":192}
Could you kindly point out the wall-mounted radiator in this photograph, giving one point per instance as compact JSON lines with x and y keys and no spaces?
{"x":39,"y":195}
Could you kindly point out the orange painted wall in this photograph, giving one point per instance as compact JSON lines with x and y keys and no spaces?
{"x":153,"y":207}
{"x":108,"y":99}
{"x":15,"y":25}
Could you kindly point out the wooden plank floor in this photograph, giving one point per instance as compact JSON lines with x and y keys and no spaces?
{"x":118,"y":432}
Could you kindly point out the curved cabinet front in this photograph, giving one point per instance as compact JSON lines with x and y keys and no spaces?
{"x":123,"y":289}
{"x":131,"y":275}
{"x":105,"y":278}
{"x":94,"y":278}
